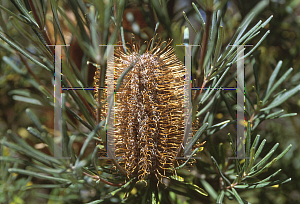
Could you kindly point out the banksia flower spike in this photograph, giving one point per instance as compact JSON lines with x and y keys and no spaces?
{"x":149,"y":110}
{"x":149,"y":117}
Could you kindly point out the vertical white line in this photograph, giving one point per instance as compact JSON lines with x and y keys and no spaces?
{"x":240,"y":103}
{"x":110,"y":103}
{"x":187,"y":99}
{"x":57,"y":103}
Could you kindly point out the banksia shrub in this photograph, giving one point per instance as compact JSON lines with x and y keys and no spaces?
{"x":146,"y":102}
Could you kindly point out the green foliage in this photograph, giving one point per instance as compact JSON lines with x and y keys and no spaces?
{"x":80,"y":176}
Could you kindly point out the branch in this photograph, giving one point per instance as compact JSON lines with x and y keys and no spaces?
{"x":203,"y":51}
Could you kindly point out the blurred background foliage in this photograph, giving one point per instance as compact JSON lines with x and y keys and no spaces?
{"x":140,"y":17}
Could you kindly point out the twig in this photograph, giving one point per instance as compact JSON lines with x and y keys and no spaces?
{"x":37,"y":19}
{"x":203,"y":51}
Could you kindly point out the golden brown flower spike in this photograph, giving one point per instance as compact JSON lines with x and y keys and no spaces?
{"x":149,"y":117}
{"x":149,"y":111}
